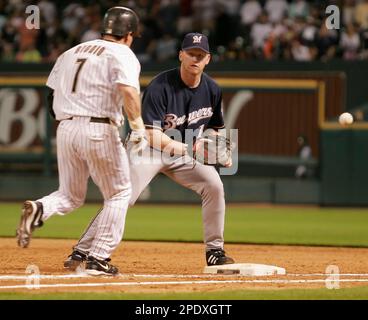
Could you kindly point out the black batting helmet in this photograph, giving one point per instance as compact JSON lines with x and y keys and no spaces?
{"x":119,"y":21}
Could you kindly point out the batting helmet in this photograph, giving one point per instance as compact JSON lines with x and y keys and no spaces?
{"x":119,"y":21}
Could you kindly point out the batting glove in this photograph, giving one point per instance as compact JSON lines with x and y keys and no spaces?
{"x":138,"y":137}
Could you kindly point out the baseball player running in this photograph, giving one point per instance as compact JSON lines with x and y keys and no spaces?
{"x":90,"y":83}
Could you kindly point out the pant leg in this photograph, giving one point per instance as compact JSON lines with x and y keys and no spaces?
{"x":85,"y":241}
{"x":109,"y":168}
{"x":73,"y":174}
{"x":143,"y":170}
{"x":206,"y":182}
{"x":141,"y":175}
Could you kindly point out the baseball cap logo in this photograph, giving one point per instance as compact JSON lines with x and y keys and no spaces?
{"x":197,"y":39}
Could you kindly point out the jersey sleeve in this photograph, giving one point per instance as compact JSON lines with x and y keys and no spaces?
{"x":217,"y":119}
{"x":154,"y":107}
{"x":126,"y":70}
{"x":54,"y":74}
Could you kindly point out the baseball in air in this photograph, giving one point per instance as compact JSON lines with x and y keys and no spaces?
{"x":346,"y":118}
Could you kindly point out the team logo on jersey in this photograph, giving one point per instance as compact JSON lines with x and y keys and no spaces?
{"x":171,"y":121}
{"x":199,"y":114}
{"x":197,"y":39}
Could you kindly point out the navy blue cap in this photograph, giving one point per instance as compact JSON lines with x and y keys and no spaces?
{"x":195,"y":40}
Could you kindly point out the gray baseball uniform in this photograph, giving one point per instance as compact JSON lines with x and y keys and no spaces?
{"x":169,"y":105}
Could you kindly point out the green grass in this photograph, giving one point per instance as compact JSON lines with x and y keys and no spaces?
{"x":358,"y":293}
{"x":277,"y":225}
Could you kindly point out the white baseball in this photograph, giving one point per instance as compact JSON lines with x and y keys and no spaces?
{"x":346,"y":118}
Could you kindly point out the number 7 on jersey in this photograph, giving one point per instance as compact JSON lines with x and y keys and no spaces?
{"x":81,"y":63}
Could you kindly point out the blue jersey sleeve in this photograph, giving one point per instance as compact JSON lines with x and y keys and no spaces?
{"x":153,"y":106}
{"x":217,"y":119}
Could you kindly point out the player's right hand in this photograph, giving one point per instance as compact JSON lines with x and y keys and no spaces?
{"x":137,"y":135}
{"x":138,"y":139}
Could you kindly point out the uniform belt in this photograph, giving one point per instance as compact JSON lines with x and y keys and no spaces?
{"x":94,"y":119}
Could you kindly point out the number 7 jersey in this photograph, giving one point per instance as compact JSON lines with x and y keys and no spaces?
{"x":84,"y":80}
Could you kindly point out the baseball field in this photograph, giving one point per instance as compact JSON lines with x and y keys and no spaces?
{"x":162,"y":256}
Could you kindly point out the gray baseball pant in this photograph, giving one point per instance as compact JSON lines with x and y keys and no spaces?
{"x":202,"y":179}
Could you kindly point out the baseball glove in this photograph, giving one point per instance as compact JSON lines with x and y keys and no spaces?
{"x":214,"y":150}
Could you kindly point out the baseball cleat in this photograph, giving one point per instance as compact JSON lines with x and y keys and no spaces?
{"x":74,"y":260}
{"x":32,"y":212}
{"x":215,"y":257}
{"x":96,"y":267}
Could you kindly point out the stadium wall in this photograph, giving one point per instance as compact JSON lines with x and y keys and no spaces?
{"x":344,"y":167}
{"x":266,"y":167}
{"x":355,"y":72}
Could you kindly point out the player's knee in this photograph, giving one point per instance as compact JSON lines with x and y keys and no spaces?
{"x":75,"y":203}
{"x":214,"y":189}
{"x":78,"y":203}
{"x":126,"y":193}
{"x":218,"y":188}
{"x":122,"y":195}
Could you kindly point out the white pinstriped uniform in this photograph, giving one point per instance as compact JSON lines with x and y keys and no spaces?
{"x":94,"y":95}
{"x":84,"y":81}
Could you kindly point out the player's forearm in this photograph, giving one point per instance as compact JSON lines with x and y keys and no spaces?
{"x":159,"y":140}
{"x":132,"y":106}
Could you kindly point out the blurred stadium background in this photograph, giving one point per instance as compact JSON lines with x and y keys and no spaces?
{"x":283,"y":73}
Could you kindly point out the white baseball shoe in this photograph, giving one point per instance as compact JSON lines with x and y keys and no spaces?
{"x":31,"y":219}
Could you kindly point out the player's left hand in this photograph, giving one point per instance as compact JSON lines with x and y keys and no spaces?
{"x":213,"y":149}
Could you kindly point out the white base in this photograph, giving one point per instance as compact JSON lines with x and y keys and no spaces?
{"x":245,"y":269}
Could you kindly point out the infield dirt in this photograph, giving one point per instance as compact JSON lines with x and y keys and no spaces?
{"x":181,"y":261}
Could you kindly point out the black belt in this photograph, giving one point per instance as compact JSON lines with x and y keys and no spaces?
{"x":94,"y":119}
